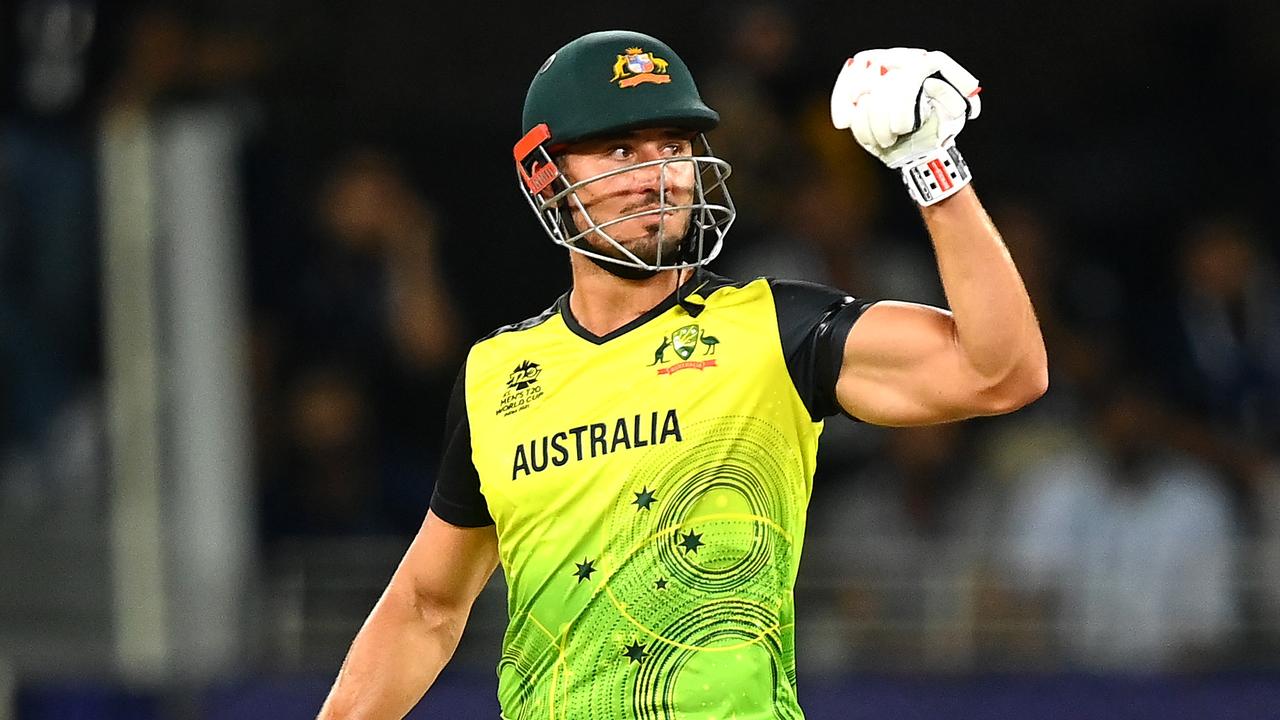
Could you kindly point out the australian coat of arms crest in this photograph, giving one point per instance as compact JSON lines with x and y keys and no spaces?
{"x":683,"y":342}
{"x":635,"y":66}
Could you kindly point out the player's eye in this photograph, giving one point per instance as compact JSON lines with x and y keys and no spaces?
{"x":621,"y":152}
{"x":675,"y":148}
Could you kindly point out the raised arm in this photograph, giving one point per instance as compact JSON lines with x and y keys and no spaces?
{"x":909,"y":364}
{"x":414,"y":628}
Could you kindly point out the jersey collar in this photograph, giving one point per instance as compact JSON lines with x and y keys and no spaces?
{"x":687,"y":296}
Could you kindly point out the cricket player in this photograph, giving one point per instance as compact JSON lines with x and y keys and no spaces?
{"x":639,"y":457}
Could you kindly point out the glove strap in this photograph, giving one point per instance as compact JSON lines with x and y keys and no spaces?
{"x":936,"y":176}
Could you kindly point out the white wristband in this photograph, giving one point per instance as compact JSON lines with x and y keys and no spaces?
{"x":936,"y":176}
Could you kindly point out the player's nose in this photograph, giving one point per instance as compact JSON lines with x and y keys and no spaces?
{"x":647,"y":178}
{"x":658,"y":175}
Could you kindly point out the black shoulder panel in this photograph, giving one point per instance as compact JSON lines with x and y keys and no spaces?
{"x":526,"y":324}
{"x":457,"y":499}
{"x":813,"y":322}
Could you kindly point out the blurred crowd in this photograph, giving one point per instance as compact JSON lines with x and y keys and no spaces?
{"x":1128,"y":520}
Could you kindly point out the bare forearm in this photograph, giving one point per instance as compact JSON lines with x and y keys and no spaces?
{"x":395,"y":657}
{"x":995,"y":323}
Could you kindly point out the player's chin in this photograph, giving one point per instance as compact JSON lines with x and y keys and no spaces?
{"x":643,"y":247}
{"x":642,"y":237}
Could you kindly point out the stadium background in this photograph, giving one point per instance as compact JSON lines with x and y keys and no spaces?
{"x":244,"y":246}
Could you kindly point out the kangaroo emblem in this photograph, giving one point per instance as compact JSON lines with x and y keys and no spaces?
{"x":659,"y":355}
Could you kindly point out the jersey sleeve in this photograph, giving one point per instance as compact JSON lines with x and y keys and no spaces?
{"x":813,"y":322}
{"x":457,"y":499}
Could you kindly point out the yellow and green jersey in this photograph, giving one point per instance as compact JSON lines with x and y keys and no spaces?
{"x":649,"y":490}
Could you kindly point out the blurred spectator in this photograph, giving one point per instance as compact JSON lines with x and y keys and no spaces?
{"x":48,"y":253}
{"x":1078,"y":304}
{"x":1129,"y":544}
{"x":369,"y":297}
{"x":371,"y":290}
{"x":907,"y":538}
{"x":752,"y":90}
{"x":776,"y":132}
{"x":369,"y":208}
{"x":327,"y":480}
{"x":1224,"y":341}
{"x":827,"y":235}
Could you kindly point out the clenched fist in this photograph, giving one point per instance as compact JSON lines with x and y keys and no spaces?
{"x":906,"y":106}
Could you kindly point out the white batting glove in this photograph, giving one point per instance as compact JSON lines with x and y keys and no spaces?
{"x":906,"y":106}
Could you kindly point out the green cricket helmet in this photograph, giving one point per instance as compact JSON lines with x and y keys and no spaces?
{"x":610,"y":83}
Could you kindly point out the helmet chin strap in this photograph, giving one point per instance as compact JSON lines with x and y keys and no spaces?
{"x":626,"y":272}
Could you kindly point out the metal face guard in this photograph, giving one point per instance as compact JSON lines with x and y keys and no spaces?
{"x":711,"y":209}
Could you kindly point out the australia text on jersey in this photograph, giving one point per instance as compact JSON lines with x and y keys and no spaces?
{"x":595,"y":439}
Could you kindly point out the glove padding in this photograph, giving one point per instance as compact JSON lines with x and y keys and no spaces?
{"x":904,"y":103}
